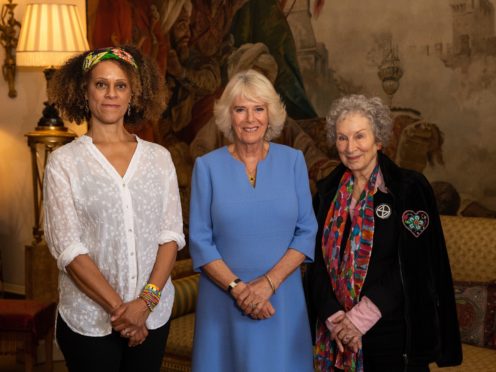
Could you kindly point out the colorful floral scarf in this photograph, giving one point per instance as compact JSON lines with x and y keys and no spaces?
{"x":347,"y":277}
{"x":100,"y":55}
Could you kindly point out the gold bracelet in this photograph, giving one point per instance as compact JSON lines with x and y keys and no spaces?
{"x":271,"y":283}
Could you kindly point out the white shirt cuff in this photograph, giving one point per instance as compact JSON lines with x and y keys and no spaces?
{"x":69,"y":254}
{"x":169,"y":236}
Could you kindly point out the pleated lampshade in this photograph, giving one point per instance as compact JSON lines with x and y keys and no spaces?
{"x":50,"y":34}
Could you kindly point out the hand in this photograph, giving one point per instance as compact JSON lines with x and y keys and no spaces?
{"x":346,"y":334}
{"x":254,"y":296}
{"x":138,"y":337}
{"x":129,"y":317}
{"x":336,"y":325}
{"x":266,"y":311}
{"x":355,"y":344}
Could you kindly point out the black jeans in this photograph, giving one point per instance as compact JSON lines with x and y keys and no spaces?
{"x":111,"y":353}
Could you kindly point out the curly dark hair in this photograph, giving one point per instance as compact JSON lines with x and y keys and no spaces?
{"x":68,"y":86}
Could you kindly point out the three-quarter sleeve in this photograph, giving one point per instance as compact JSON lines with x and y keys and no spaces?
{"x":62,"y":226}
{"x":201,"y":244}
{"x":306,"y":224}
{"x":171,"y":228}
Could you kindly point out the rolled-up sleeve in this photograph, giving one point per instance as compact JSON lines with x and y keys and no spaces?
{"x":306,"y":224}
{"x":202,"y":247}
{"x":172,"y":219}
{"x":62,"y":227}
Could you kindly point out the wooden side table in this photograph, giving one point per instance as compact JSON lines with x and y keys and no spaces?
{"x":27,"y":322}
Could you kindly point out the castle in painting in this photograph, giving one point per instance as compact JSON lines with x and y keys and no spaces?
{"x":473,"y":33}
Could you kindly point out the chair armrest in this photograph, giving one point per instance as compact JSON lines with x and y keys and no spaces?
{"x":186,"y":292}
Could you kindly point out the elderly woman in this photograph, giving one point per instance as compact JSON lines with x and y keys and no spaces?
{"x":112,"y":216}
{"x":251,"y":226}
{"x":381,"y":286}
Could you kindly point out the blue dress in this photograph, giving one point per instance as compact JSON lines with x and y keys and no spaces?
{"x":251,"y":229}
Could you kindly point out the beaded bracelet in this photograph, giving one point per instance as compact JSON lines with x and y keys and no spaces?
{"x":151,"y":295}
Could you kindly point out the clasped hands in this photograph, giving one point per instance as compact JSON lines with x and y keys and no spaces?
{"x":344,"y":332}
{"x":253,"y":298}
{"x":129,"y":320}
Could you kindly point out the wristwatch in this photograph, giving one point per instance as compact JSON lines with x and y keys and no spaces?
{"x":233,"y":284}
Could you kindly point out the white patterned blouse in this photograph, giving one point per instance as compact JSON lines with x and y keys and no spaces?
{"x":118,"y":221}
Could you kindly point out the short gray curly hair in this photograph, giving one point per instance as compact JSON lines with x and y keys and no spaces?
{"x":251,"y":85}
{"x":372,"y":108}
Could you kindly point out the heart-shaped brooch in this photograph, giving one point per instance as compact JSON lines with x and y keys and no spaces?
{"x":415,"y":222}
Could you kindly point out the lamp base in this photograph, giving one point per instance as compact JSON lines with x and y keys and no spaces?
{"x":50,"y":117}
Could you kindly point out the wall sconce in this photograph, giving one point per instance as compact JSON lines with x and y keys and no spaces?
{"x":9,"y":32}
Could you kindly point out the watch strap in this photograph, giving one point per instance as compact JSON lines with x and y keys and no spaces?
{"x":233,"y":284}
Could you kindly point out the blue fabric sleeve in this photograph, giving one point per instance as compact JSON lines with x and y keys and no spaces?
{"x":201,"y":245}
{"x":306,"y":225}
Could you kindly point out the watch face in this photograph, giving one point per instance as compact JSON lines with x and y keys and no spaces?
{"x":233,"y":284}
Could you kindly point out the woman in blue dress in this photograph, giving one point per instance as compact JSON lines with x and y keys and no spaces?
{"x":251,"y":226}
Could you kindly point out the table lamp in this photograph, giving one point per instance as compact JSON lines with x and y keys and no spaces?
{"x":49,"y":35}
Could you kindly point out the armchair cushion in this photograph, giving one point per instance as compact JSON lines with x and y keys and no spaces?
{"x":476,"y":308}
{"x":470,"y":243}
{"x":185,"y":297}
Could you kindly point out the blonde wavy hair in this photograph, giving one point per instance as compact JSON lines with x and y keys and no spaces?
{"x":253,"y":86}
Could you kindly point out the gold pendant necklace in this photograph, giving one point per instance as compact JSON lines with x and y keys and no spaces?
{"x":252,"y":180}
{"x":252,"y":176}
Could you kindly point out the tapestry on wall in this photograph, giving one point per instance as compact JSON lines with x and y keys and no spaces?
{"x":434,"y":63}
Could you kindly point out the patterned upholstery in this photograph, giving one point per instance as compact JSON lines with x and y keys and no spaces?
{"x":476,"y":308}
{"x":180,"y":339}
{"x":471,"y":243}
{"x":475,"y":359}
{"x":179,"y":346}
{"x":185,"y":297}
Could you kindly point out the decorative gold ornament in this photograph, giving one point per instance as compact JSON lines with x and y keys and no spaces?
{"x":9,"y":34}
{"x":390,"y":72}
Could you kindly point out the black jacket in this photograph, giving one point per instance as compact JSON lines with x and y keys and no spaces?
{"x":432,"y":332}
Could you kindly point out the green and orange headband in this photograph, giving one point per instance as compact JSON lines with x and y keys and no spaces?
{"x":100,"y":55}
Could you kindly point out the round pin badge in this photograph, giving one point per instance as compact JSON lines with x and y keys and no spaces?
{"x":383,"y":211}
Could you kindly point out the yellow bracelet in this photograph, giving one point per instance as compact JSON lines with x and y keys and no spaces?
{"x":270,"y":282}
{"x":153,"y":286}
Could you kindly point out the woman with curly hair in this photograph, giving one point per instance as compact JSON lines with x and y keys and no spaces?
{"x":380,"y":288}
{"x":112,"y":215}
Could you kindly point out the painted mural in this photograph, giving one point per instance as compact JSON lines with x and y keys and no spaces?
{"x":446,"y":51}
{"x":434,"y":62}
